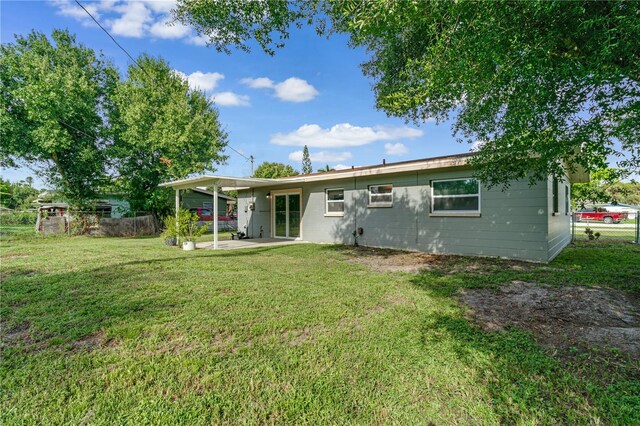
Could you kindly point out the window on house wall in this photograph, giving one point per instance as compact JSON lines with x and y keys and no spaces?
{"x":334,"y":202}
{"x":556,"y":201}
{"x":567,"y":205}
{"x":208,"y":205}
{"x":380,"y":195}
{"x":455,"y":196}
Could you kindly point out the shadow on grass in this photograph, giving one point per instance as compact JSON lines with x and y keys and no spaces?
{"x":525,"y":383}
{"x":53,"y":309}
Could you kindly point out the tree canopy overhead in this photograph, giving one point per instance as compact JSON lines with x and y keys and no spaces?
{"x":533,"y":84}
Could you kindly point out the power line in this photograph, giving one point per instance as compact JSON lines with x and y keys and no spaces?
{"x":76,"y":129}
{"x":250,"y":158}
{"x":112,"y":38}
{"x":239,"y":153}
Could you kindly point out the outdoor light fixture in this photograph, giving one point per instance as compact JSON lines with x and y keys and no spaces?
{"x":268,"y":195}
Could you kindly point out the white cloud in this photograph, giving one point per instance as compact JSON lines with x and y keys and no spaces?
{"x":134,"y":21}
{"x":68,"y":8}
{"x":295,"y":89}
{"x":131,"y":18}
{"x":160,"y":6}
{"x":167,"y":29}
{"x":342,"y":135}
{"x":342,"y":167}
{"x":258,"y":83}
{"x":198,"y":40}
{"x":199,"y":80}
{"x":230,"y":99}
{"x":321,"y":156}
{"x":395,"y":149}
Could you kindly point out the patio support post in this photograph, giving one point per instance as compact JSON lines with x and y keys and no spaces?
{"x":215,"y":216}
{"x":177,"y":209}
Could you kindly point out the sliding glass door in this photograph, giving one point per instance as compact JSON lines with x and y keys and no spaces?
{"x":286,"y":215}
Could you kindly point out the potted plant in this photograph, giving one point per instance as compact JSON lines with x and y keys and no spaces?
{"x":187,"y":229}
{"x":169,"y":233}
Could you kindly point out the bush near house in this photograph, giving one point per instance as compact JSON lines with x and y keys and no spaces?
{"x":18,"y":218}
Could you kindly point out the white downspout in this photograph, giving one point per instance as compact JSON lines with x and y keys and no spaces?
{"x":177,"y":209}
{"x":215,"y":217}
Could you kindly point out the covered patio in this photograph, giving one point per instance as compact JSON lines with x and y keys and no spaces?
{"x":248,"y":243}
{"x":218,"y":183}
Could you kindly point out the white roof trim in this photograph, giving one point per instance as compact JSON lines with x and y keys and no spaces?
{"x":228,"y":183}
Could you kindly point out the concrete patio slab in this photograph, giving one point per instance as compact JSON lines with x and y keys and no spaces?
{"x":248,"y":243}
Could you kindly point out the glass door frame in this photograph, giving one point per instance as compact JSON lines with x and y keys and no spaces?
{"x":293,"y":191}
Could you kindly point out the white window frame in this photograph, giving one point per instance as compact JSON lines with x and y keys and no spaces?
{"x":327,"y":201}
{"x":207,"y":205}
{"x":379,"y":203}
{"x":471,"y":213}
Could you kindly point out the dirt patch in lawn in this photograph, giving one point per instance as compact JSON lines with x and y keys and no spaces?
{"x":6,"y":275}
{"x":92,"y":341}
{"x":562,"y":317}
{"x":17,"y":334}
{"x":13,"y":256}
{"x":388,"y":260}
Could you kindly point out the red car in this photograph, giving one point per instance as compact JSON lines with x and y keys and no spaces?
{"x":204,"y":215}
{"x":600,"y":214}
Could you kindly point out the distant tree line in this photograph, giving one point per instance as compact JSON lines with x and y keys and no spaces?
{"x":17,"y":195}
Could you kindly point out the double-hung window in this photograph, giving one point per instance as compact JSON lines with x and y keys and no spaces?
{"x":455,"y":196}
{"x":334,"y":202}
{"x":380,"y":195}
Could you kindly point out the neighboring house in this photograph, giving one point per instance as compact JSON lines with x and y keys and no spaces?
{"x":109,"y":205}
{"x":198,"y":197}
{"x":432,"y":205}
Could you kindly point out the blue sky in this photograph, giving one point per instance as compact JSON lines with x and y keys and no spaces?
{"x":311,"y":92}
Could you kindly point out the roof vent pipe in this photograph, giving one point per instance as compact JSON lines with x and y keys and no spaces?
{"x":384,"y":161}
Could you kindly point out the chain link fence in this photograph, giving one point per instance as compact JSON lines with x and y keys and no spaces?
{"x":605,"y":227}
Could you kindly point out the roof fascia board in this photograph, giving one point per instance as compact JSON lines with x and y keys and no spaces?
{"x":228,"y":183}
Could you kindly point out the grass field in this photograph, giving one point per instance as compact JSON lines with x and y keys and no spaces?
{"x":616,"y":232}
{"x":129,"y":331}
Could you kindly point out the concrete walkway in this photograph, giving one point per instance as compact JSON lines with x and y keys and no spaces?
{"x":249,"y":243}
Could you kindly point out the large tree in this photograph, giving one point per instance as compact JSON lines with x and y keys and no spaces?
{"x":54,"y":97}
{"x":535,"y":84}
{"x":269,"y":170}
{"x":162,"y":130}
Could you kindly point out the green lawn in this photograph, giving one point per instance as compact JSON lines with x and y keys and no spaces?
{"x":129,"y":331}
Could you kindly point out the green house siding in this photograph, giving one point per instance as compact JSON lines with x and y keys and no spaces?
{"x":513,"y":224}
{"x":192,"y":199}
{"x":559,"y":223}
{"x":119,"y":207}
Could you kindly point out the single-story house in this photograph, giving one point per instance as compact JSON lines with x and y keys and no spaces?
{"x":199,"y":197}
{"x":108,"y":205}
{"x":432,"y":205}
